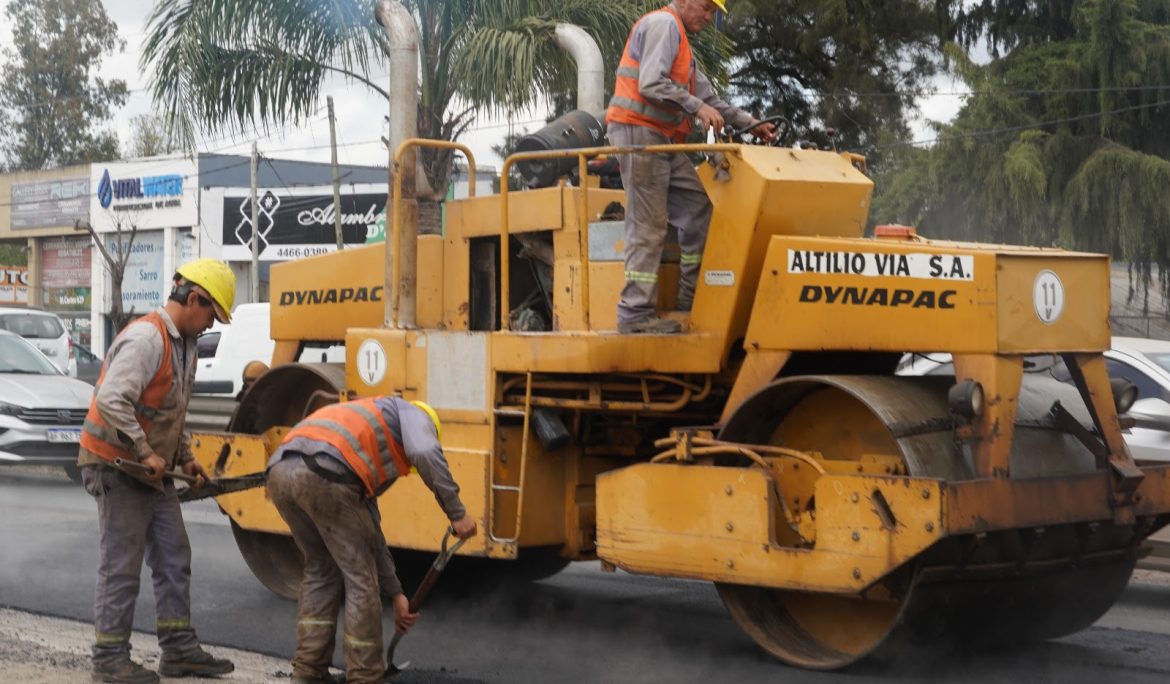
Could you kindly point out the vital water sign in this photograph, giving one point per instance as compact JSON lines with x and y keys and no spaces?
{"x":138,"y":188}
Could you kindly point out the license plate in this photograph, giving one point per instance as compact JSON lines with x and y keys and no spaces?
{"x":58,"y":435}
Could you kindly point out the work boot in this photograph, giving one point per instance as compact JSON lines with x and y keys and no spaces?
{"x":651,"y":325}
{"x":199,"y":663}
{"x":123,"y":672}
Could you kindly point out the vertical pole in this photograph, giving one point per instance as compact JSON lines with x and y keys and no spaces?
{"x":255,"y":231}
{"x":402,"y":256}
{"x":336,"y":176}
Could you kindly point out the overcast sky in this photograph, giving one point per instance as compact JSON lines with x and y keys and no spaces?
{"x":360,"y":114}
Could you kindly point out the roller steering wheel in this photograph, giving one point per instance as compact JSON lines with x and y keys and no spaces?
{"x":783,"y":129}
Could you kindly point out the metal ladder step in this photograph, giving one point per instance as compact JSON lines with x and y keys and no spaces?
{"x":518,"y":490}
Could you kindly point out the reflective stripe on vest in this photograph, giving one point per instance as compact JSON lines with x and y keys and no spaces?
{"x":360,"y":433}
{"x":99,"y":438}
{"x":628,"y":106}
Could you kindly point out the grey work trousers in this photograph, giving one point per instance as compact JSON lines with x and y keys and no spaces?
{"x":661,"y":189}
{"x":137,"y":521}
{"x":342,"y":546}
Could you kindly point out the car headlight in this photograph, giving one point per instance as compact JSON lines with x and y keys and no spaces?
{"x":9,"y":409}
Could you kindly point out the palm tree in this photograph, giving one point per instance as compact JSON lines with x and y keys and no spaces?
{"x":236,"y":65}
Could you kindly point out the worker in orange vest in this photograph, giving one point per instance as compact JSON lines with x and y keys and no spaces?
{"x":324,"y":479}
{"x":659,"y":91}
{"x":137,"y":414}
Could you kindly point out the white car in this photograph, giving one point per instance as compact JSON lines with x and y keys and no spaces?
{"x":1145,"y":363}
{"x":45,"y":330}
{"x":41,"y":409}
{"x":225,"y":349}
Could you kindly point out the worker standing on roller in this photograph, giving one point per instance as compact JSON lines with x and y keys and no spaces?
{"x":659,"y":91}
{"x":324,"y":480}
{"x":138,"y":414}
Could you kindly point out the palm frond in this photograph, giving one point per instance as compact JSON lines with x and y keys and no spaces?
{"x":237,"y":63}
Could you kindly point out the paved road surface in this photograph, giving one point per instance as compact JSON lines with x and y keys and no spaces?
{"x":582,"y":625}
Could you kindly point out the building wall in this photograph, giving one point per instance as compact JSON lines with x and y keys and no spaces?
{"x":43,"y":203}
{"x":175,"y":206}
{"x":42,"y":209}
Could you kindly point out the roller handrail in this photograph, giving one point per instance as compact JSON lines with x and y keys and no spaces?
{"x":582,"y":154}
{"x":397,"y":205}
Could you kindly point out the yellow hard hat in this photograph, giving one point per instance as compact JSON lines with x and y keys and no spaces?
{"x":217,"y":279}
{"x":434,"y":417}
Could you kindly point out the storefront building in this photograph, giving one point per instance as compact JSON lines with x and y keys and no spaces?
{"x":164,"y":211}
{"x":43,"y":210}
{"x":175,"y":208}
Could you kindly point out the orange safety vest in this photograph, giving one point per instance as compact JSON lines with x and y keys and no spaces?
{"x":99,"y":438}
{"x":359,"y":432}
{"x":629,"y":107}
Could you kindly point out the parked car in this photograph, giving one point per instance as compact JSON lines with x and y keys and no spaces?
{"x":208,"y":342}
{"x":87,"y":366}
{"x":45,"y":330}
{"x":41,"y":409}
{"x":1143,"y":362}
{"x":225,"y":349}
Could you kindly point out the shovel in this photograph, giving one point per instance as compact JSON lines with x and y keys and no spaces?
{"x":420,"y":595}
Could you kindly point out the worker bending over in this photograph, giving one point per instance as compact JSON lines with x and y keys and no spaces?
{"x":324,"y":480}
{"x":659,"y":91}
{"x":138,"y":413}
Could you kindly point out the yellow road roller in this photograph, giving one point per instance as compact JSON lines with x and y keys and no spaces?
{"x":770,"y":448}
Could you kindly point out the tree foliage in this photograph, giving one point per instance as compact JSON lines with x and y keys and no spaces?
{"x":53,"y":105}
{"x":13,"y":254}
{"x":150,"y":136}
{"x":244,"y":64}
{"x":1064,"y":141}
{"x":852,"y":65}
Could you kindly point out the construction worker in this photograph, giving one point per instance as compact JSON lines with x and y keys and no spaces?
{"x":658,"y":92}
{"x":137,"y":414}
{"x":324,"y":480}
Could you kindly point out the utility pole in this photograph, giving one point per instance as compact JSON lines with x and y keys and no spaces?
{"x":255,"y":231}
{"x":336,"y":176}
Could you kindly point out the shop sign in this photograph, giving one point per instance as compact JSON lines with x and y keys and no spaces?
{"x":67,"y":298}
{"x":13,"y":285}
{"x":79,"y":327}
{"x":49,"y":204}
{"x":296,"y":226}
{"x":144,"y":280}
{"x":67,"y":262}
{"x":158,"y":193}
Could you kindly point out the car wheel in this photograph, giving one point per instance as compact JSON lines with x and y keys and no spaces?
{"x":73,"y":472}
